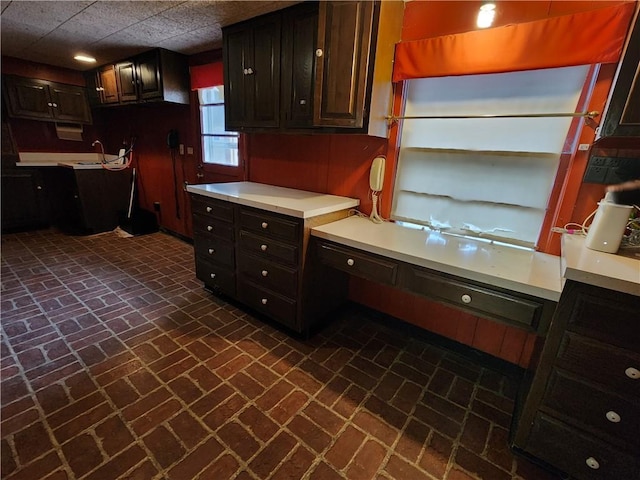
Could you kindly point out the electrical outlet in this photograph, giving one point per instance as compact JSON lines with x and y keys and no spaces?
{"x":181,"y":149}
{"x":189,"y":150}
{"x":595,"y":174}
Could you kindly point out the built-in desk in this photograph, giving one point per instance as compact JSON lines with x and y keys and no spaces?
{"x":510,"y":285}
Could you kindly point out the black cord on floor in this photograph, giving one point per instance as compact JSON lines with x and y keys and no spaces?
{"x":175,"y":182}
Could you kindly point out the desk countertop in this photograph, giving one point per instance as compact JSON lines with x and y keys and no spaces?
{"x":295,"y":203}
{"x":77,"y":161}
{"x":515,"y":269}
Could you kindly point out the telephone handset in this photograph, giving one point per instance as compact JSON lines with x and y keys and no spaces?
{"x":376,"y":182}
{"x":376,"y":174}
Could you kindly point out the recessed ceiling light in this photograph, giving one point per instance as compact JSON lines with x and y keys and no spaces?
{"x":85,"y":58}
{"x":486,"y":15}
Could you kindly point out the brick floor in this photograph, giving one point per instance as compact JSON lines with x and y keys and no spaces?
{"x":116,"y":363}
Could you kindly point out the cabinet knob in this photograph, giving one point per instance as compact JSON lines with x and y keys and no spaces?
{"x":199,"y":175}
{"x":613,"y":417}
{"x":212,"y":275}
{"x":319,"y":52}
{"x":303,"y":102}
{"x":211,"y":251}
{"x":209,"y":228}
{"x":265,"y":273}
{"x":209,"y":209}
{"x":263,"y":247}
{"x":39,"y":187}
{"x":55,"y":105}
{"x":633,"y":373}
{"x":350,"y":262}
{"x":264,"y":301}
{"x":466,"y":298}
{"x":248,"y":71}
{"x":264,"y":225}
{"x":592,"y":463}
{"x":49,"y":104}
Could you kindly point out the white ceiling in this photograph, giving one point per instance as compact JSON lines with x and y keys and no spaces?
{"x":52,"y":32}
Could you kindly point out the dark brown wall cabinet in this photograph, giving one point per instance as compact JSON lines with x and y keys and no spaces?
{"x":325,"y":66}
{"x":43,"y":100}
{"x":157,"y":75}
{"x":622,"y":118}
{"x":581,"y":409}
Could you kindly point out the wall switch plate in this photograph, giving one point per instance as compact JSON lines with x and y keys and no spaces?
{"x":189,"y":150}
{"x":181,"y":149}
{"x":583,"y":147}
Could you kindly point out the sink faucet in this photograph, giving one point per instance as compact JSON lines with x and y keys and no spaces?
{"x":101,"y":148}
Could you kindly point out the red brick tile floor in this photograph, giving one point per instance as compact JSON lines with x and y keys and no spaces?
{"x":117,"y":364}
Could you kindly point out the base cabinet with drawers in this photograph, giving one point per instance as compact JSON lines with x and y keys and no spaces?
{"x":260,"y":258}
{"x":582,"y":411}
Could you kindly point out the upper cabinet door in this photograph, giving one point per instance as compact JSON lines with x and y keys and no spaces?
{"x":252,"y":73}
{"x":343,"y":51}
{"x":70,"y":103}
{"x":108,"y":84}
{"x":149,"y":79}
{"x":127,"y":81}
{"x":299,"y":38}
{"x":28,"y":98}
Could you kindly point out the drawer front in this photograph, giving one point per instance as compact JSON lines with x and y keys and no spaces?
{"x":264,"y":247}
{"x":609,"y":316}
{"x":216,"y":277}
{"x":600,"y":363}
{"x":269,"y":225}
{"x":214,"y":249}
{"x":358,"y":263}
{"x":573,"y":452}
{"x":204,"y":225}
{"x":268,"y":302}
{"x":269,"y":275}
{"x":483,"y":301}
{"x":603,"y":411}
{"x":212,"y":207}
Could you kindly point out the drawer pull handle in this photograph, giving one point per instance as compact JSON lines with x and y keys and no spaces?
{"x":264,"y":225}
{"x":613,"y":417}
{"x":263,"y":247}
{"x":264,"y":301}
{"x":466,"y":298}
{"x":209,"y":228}
{"x":350,"y":262}
{"x":633,"y":373}
{"x":212,"y":275}
{"x":592,"y":463}
{"x":265,"y":273}
{"x":211,"y":251}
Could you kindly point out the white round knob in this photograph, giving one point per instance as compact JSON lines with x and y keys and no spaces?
{"x":209,"y":209}
{"x":592,"y":463}
{"x":264,"y":301}
{"x":38,"y":187}
{"x":264,"y":225}
{"x":244,"y":70}
{"x":211,"y":251}
{"x":466,"y":298}
{"x":209,"y":227}
{"x":613,"y":417}
{"x":213,"y":275}
{"x":350,"y":262}
{"x":319,"y":52}
{"x":632,"y":373}
{"x":55,"y":104}
{"x":264,"y":273}
{"x":263,"y":247}
{"x":303,"y":102}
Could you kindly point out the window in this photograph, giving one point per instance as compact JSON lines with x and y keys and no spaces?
{"x":218,"y":146}
{"x":484,"y":177}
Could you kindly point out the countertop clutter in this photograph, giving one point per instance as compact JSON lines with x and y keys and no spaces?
{"x":77,"y":161}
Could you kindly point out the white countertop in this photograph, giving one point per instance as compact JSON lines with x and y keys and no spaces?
{"x":607,"y":270}
{"x":515,"y":269}
{"x":78,"y":161}
{"x":288,"y":201}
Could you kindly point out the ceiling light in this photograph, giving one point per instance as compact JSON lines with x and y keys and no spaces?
{"x":85,"y":58}
{"x":486,"y":15}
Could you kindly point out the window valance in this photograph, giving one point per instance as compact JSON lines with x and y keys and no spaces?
{"x":594,"y":36}
{"x":208,"y":75}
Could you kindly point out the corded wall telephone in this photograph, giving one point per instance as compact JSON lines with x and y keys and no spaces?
{"x":376,"y":182}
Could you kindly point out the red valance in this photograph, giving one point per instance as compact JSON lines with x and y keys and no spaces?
{"x":208,"y":75}
{"x":594,"y":36}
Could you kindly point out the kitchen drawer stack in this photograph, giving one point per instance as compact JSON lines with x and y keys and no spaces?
{"x":213,"y":239}
{"x":582,"y":414}
{"x":269,"y":261}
